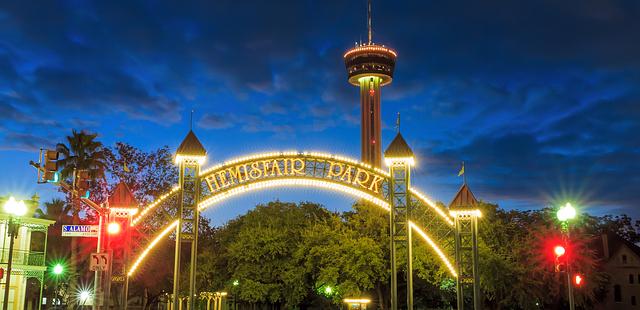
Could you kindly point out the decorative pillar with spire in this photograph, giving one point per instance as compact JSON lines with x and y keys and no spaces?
{"x":399,"y":158}
{"x":189,"y":157}
{"x":464,"y":210}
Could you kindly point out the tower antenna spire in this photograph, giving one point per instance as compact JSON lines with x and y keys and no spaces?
{"x":191,"y":121}
{"x":398,"y":123}
{"x":369,"y":22}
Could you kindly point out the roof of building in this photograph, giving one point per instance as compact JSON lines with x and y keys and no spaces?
{"x":464,"y":198}
{"x":122,"y":197}
{"x":398,"y":148}
{"x":615,"y":241}
{"x":191,"y":146}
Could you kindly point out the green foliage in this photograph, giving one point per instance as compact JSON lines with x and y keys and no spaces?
{"x":284,"y":253}
{"x":82,"y":152}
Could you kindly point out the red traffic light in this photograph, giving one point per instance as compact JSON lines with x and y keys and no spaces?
{"x":559,"y":250}
{"x":113,"y":228}
{"x":578,"y":280}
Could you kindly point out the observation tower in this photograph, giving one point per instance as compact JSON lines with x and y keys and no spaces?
{"x":370,"y":66}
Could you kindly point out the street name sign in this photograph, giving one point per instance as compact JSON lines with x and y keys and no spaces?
{"x":80,"y":230}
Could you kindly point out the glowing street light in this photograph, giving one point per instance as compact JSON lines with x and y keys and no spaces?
{"x":567,"y":212}
{"x":328,"y":290}
{"x":236,"y":282}
{"x":58,"y":269}
{"x":83,"y":296}
{"x":564,"y":214}
{"x":15,"y":209}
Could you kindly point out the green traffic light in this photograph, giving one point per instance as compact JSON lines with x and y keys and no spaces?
{"x":58,"y":269}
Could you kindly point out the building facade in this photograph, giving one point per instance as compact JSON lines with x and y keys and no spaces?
{"x":621,"y":260}
{"x":28,"y":262}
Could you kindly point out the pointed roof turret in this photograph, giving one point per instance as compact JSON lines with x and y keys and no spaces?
{"x":122,"y":197}
{"x":191,"y":148}
{"x":398,"y":148}
{"x":464,"y":198}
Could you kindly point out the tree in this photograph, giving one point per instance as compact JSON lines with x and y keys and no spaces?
{"x":57,"y":210}
{"x":148,"y":174}
{"x":82,"y":152}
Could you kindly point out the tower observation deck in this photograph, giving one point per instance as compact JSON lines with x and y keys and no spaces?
{"x":370,"y":66}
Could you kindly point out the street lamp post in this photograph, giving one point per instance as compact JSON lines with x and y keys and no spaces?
{"x":58,"y":269}
{"x":14,"y":209}
{"x":564,"y":214}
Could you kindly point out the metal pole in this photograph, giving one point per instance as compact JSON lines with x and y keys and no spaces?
{"x":572,"y":305}
{"x":409,"y":269}
{"x":394,"y":271}
{"x":126,"y":265}
{"x":44,"y":261}
{"x":5,"y":305}
{"x":477,"y":304}
{"x":176,"y":271}
{"x":97,"y":290}
{"x":459,"y":284}
{"x":109,"y":272}
{"x":194,"y":245}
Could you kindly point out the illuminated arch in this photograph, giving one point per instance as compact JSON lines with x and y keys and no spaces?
{"x":364,"y":191}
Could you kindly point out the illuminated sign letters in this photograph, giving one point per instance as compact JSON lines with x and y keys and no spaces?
{"x":295,"y":167}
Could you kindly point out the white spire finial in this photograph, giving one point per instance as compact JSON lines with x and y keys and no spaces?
{"x":191,"y":121}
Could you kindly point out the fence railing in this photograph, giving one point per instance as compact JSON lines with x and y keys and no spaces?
{"x":22,"y":257}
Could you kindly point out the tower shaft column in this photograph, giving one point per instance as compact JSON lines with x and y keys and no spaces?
{"x":370,"y":120}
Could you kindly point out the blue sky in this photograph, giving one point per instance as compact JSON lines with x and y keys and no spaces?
{"x":541,"y":99}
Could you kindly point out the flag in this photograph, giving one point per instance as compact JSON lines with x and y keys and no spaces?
{"x":124,"y":167}
{"x":461,"y":172}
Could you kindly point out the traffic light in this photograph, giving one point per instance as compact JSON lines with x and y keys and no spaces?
{"x":113,"y":228}
{"x":578,"y":280}
{"x":559,"y":265}
{"x":51,"y":166}
{"x":82,"y":183}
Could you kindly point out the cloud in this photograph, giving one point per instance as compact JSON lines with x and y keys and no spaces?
{"x":587,"y":157}
{"x":534,"y":94}
{"x":104,"y":91}
{"x":24,"y":142}
{"x":274,"y":108}
{"x":216,"y":121}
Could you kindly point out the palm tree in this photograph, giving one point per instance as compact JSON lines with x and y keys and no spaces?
{"x":57,"y":210}
{"x":82,"y":152}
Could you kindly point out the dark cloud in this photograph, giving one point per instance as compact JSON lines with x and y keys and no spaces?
{"x":104,"y":90}
{"x":535,"y":94}
{"x":587,"y":158}
{"x":215,"y":121}
{"x":24,"y":142}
